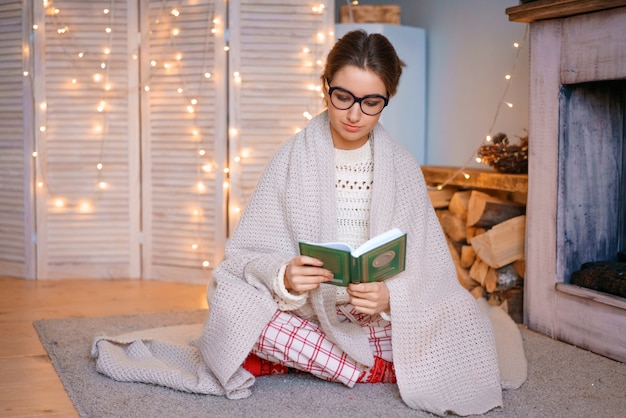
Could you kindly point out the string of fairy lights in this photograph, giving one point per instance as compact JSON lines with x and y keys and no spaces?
{"x":95,"y":73}
{"x":504,"y":102}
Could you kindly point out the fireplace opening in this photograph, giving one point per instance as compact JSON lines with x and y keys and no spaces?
{"x":591,"y":203}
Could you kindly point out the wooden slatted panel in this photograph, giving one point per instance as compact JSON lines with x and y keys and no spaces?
{"x":13,"y":142}
{"x":183,"y":226}
{"x":94,"y":233}
{"x":275,"y":48}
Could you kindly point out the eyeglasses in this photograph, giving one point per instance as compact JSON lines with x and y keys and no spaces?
{"x":371,"y":105}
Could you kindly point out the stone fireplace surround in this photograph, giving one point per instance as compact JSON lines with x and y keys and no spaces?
{"x":573,"y":43}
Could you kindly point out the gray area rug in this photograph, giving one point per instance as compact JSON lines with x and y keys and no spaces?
{"x":563,"y":381}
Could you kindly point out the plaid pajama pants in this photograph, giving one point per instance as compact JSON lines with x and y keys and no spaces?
{"x":297,"y":343}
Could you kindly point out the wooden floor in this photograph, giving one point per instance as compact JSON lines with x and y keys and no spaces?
{"x":29,"y":385}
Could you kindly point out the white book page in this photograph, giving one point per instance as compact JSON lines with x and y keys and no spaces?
{"x":377,"y":241}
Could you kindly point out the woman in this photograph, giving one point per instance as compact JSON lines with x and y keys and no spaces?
{"x":342,"y":178}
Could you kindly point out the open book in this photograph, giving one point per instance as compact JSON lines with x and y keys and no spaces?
{"x":377,"y":259}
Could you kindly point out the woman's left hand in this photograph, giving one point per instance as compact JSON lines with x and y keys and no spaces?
{"x":369,"y":298}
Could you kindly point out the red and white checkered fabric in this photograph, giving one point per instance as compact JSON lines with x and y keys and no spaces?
{"x":297,"y":343}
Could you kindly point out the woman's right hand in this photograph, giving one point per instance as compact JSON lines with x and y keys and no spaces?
{"x":305,"y":273}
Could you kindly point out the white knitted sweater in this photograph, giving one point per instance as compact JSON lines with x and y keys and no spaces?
{"x":443,"y":344}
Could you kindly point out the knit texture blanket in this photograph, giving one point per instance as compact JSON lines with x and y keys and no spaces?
{"x":444,"y":347}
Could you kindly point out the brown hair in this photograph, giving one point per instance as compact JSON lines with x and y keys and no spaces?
{"x":371,"y":52}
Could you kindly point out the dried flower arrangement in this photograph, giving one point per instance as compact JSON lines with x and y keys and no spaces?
{"x":505,"y":157}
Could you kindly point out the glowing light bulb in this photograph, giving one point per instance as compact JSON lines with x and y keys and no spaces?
{"x":206,"y":168}
{"x":200,"y":186}
{"x":205,"y":264}
{"x":35,"y":27}
{"x":195,"y":132}
{"x":40,"y":184}
{"x":233,"y":131}
{"x":225,"y":185}
{"x":194,"y":101}
{"x":81,"y":54}
{"x":42,"y":129}
{"x":43,"y":105}
{"x":237,"y":159}
{"x":508,"y":76}
{"x":25,"y":73}
{"x":321,"y":37}
{"x":516,"y":45}
{"x":195,"y":212}
{"x":106,"y":11}
{"x":175,"y":12}
{"x":467,"y":176}
{"x":108,"y":30}
{"x":179,"y":57}
{"x":175,"y":31}
{"x":74,"y":81}
{"x":99,"y":166}
{"x":226,"y":170}
{"x":85,"y":207}
{"x":34,"y":154}
{"x":103,"y":65}
{"x":153,"y":63}
{"x":207,"y":75}
{"x":226,"y":48}
{"x":179,"y":90}
{"x":107,"y":51}
{"x":97,"y":77}
{"x":59,"y":203}
{"x":201,"y":152}
{"x":216,"y":21}
{"x":147,"y":88}
{"x":488,"y":138}
{"x":306,"y":50}
{"x":194,"y":246}
{"x":479,"y":160}
{"x":102,"y":185}
{"x":509,"y":104}
{"x":190,"y":109}
{"x":107,"y":87}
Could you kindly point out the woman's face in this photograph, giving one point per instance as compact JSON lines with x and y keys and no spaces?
{"x":350,"y":128}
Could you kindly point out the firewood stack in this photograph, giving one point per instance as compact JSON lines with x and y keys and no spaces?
{"x":486,"y":236}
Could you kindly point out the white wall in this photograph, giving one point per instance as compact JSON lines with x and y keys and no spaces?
{"x":469,"y":51}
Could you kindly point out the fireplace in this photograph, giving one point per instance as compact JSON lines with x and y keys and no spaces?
{"x":576,"y":209}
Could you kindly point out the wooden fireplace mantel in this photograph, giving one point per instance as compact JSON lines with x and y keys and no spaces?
{"x":551,"y":9}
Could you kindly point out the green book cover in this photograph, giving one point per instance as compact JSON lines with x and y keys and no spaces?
{"x":377,"y":259}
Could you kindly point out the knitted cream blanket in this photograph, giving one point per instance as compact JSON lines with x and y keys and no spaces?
{"x":444,"y":347}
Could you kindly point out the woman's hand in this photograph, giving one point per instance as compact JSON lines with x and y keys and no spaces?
{"x":305,"y":273}
{"x":369,"y":298}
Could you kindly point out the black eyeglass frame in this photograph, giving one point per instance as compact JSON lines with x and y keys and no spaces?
{"x":358,"y":100}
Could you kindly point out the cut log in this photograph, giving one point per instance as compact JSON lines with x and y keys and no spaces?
{"x":478,"y":271}
{"x":462,"y":274}
{"x":502,"y":244}
{"x":478,"y":292}
{"x":520,"y":267}
{"x":452,"y":225}
{"x":491,"y":280}
{"x":468,"y":255}
{"x":459,"y":204}
{"x":486,"y":211}
{"x":441,"y":198}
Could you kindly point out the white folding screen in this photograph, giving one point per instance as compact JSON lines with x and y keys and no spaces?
{"x":124,"y":136}
{"x":277,"y":49}
{"x":86,"y":124}
{"x":16,"y":227}
{"x":183,"y":102}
